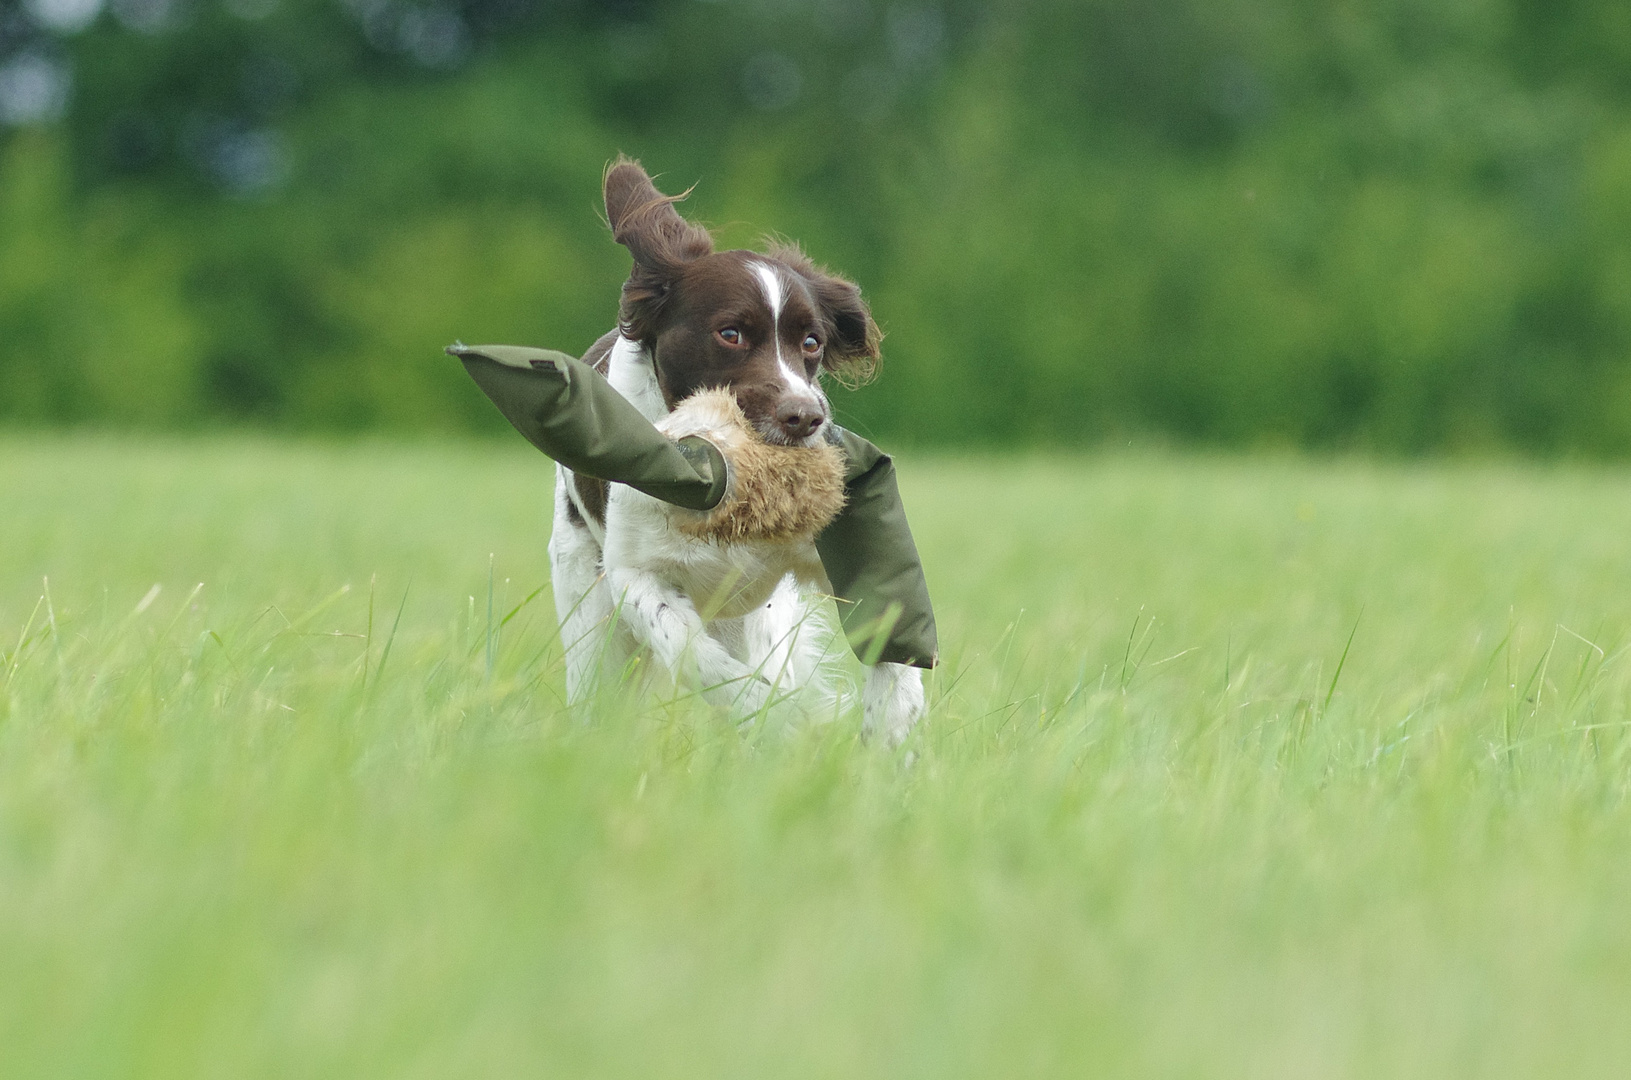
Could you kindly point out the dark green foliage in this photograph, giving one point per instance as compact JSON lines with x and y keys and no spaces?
{"x":1401,"y":225}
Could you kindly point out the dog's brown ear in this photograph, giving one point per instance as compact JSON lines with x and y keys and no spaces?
{"x":853,"y":338}
{"x":853,"y":351}
{"x":644,"y":220}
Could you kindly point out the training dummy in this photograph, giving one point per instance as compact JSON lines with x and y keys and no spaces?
{"x":568,"y":410}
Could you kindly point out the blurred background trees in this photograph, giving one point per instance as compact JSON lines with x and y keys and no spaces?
{"x":1402,"y":225}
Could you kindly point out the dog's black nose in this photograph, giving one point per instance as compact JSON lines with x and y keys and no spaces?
{"x":800,"y":418}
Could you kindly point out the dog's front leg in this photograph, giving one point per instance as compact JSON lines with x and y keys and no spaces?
{"x":892,"y":701}
{"x":665,"y":620}
{"x":583,"y":603}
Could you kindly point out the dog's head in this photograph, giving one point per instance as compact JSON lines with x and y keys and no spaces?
{"x":764,"y":326}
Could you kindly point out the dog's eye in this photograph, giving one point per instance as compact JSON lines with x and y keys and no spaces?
{"x":812,"y":343}
{"x":731,"y":336}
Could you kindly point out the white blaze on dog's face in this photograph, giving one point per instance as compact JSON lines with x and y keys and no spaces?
{"x":804,"y":408}
{"x":763,"y":326}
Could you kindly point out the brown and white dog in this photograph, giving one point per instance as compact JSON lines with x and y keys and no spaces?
{"x":735,"y":616}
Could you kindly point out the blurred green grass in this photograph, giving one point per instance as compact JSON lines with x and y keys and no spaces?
{"x":1149,"y":829}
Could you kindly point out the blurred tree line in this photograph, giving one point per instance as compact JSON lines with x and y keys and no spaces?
{"x":1402,"y":225}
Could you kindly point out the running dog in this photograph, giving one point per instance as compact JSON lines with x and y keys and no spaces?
{"x":731,"y":345}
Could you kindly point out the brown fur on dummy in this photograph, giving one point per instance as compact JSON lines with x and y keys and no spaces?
{"x":774,"y":493}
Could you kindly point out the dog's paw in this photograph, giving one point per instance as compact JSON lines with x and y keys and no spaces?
{"x":893,"y":702}
{"x":744,"y":698}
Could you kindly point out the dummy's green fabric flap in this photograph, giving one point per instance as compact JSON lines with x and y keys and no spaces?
{"x":872,"y":562}
{"x":569,"y":411}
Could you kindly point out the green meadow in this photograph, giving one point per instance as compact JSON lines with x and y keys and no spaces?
{"x":1235,"y":767}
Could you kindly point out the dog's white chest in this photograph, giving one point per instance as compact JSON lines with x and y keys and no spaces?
{"x":723,"y":580}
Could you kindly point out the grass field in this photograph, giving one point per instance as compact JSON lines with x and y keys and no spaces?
{"x":1234,"y":769}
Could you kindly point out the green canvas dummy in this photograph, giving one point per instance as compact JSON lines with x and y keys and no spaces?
{"x":568,"y":410}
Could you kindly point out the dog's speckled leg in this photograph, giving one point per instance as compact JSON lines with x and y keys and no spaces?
{"x":667,"y":622}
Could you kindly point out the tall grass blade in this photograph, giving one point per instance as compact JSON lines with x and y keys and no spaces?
{"x":1331,"y":690}
{"x":490,"y":627}
{"x":390,"y":640}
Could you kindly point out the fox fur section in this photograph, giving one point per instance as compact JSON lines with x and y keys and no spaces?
{"x":772,"y":493}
